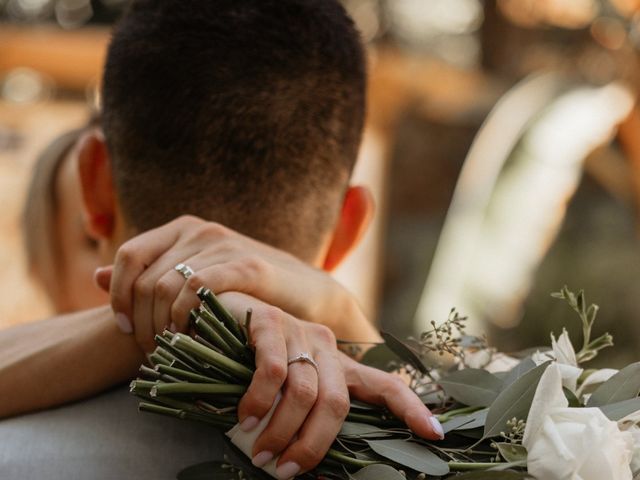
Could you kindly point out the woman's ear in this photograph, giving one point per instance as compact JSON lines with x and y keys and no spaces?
{"x":96,"y":184}
{"x":357,"y":211}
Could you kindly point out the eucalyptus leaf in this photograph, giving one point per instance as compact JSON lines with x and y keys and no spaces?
{"x":472,"y":386}
{"x":380,"y":357}
{"x":404,"y":352}
{"x":478,"y":419}
{"x":466,"y":422}
{"x":618,"y":410}
{"x":378,"y":472}
{"x":512,"y":452}
{"x":624,"y":385}
{"x":410,"y":454}
{"x":354,"y":429}
{"x":519,"y":370}
{"x":514,"y":401}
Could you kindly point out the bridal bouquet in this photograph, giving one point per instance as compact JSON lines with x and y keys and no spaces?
{"x":539,"y":414}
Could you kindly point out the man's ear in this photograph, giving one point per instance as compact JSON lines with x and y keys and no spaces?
{"x":357,"y":211}
{"x":96,"y":184}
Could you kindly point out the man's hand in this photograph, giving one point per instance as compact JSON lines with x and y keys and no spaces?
{"x":314,"y":404}
{"x":147,"y":293}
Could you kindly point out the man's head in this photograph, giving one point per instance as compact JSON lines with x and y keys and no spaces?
{"x":246,"y":112}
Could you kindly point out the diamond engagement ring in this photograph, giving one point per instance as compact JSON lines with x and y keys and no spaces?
{"x":303,"y":357}
{"x":185,"y":270}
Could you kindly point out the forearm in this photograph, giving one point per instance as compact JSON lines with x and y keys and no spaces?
{"x":61,"y":359}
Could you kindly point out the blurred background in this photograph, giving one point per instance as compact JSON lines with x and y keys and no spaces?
{"x":502,"y":146}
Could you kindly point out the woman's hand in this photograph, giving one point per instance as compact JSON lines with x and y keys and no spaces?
{"x":148,"y":295}
{"x":314,"y":402}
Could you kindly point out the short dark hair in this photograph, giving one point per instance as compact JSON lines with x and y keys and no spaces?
{"x":247,"y":112}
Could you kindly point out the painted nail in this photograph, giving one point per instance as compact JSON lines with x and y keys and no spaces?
{"x":287,"y":470}
{"x":249,"y":424}
{"x":262,"y":458}
{"x":437,"y":427}
{"x":173,"y":328}
{"x":123,"y":323}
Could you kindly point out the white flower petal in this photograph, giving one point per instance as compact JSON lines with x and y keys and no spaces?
{"x":599,"y":376}
{"x":563,"y":349}
{"x":548,"y":396}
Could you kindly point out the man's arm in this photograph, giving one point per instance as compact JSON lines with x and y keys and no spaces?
{"x":62,"y":359}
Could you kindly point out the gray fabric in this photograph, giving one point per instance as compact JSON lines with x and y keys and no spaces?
{"x":103,"y":438}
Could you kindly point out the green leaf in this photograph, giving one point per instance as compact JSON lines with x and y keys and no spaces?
{"x":410,"y":454}
{"x":618,"y":410}
{"x":380,"y":357}
{"x":519,"y":370}
{"x":624,"y":385}
{"x":571,"y":398}
{"x":404,"y":352}
{"x":208,"y":471}
{"x":493,"y":475}
{"x":511,"y":452}
{"x":353,"y":429}
{"x":514,"y":401}
{"x":378,"y":472}
{"x":472,"y":386}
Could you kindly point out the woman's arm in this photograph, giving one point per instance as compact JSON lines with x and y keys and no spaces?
{"x":62,"y":359}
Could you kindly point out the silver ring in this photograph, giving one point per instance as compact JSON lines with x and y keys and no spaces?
{"x":185,"y":270}
{"x":303,"y":357}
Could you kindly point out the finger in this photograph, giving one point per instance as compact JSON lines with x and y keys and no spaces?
{"x":102,"y":277}
{"x":323,"y":423}
{"x":299,"y":396}
{"x":219,"y":278}
{"x":266,"y":333}
{"x":152,"y":298}
{"x":133,"y":258}
{"x":381,"y":388}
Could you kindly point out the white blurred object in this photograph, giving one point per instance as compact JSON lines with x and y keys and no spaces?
{"x":501,"y":222}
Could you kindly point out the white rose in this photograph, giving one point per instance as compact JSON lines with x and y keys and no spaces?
{"x":630,"y":424}
{"x":563,"y":353}
{"x":573,"y":443}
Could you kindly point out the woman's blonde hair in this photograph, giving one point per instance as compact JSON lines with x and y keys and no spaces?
{"x":40,"y":214}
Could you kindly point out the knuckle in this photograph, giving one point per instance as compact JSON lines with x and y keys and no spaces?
{"x":141,"y":288}
{"x":324,"y":334}
{"x":211,"y":231}
{"x":275,"y":372}
{"x":126,"y":255}
{"x":273,"y":317}
{"x":252,"y":266}
{"x":195,"y":281}
{"x":309,"y":454}
{"x":276,"y":440}
{"x":338,"y":404}
{"x":304,"y":393}
{"x":257,"y":404}
{"x":163,"y":289}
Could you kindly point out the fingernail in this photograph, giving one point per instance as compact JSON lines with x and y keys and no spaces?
{"x":437,"y":427}
{"x":173,"y":328}
{"x":287,"y":470}
{"x":262,"y":458}
{"x":123,"y":323}
{"x":249,"y":424}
